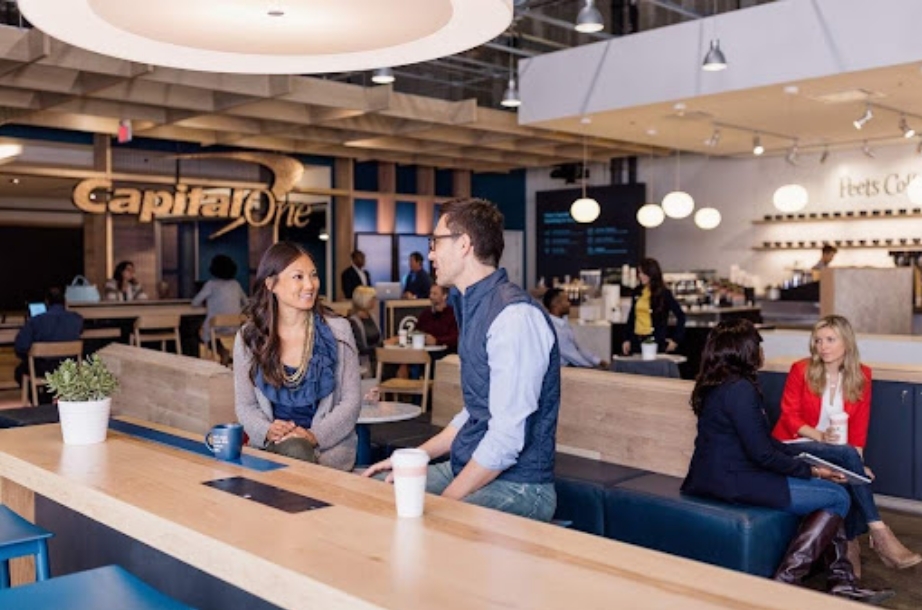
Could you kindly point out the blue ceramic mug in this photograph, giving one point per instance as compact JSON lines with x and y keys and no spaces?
{"x":225,"y":441}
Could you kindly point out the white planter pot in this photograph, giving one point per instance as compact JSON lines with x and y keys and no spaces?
{"x":648,"y":351}
{"x":84,"y":423}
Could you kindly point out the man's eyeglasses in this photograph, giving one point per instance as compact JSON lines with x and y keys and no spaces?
{"x":433,"y":239}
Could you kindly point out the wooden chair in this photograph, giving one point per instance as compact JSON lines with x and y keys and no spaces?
{"x":396,"y":385}
{"x":160,"y":327}
{"x":46,"y":349}
{"x":224,"y":326}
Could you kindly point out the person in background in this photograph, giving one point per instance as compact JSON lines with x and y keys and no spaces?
{"x":296,"y":379}
{"x":56,"y":324}
{"x":221,"y":294}
{"x":829,"y":253}
{"x":736,"y":460}
{"x":558,"y":305}
{"x":418,"y":282}
{"x":502,"y":444}
{"x":833,"y":380}
{"x":649,"y":315}
{"x":355,"y":275}
{"x":364,"y":329}
{"x":437,"y":322}
{"x":123,"y":286}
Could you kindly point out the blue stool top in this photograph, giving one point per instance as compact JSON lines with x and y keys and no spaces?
{"x":107,"y":588}
{"x":14,"y":529}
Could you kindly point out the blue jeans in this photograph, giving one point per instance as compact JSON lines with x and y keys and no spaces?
{"x":863,"y":510}
{"x":532,"y":500}
{"x":809,"y":495}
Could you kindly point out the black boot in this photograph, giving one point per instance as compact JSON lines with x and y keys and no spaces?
{"x":816,"y":532}
{"x":840,"y":578}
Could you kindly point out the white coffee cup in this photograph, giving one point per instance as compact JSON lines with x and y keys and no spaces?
{"x":838,"y":425}
{"x":419,"y":341}
{"x":409,"y":467}
{"x":402,"y":338}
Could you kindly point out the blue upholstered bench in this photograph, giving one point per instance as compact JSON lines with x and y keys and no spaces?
{"x":650,"y":511}
{"x":108,"y":588}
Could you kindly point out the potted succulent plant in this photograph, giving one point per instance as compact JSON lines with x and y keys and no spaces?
{"x":84,"y":395}
{"x":648,"y":349}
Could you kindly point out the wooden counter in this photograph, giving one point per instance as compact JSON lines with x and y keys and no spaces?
{"x":357,"y":553}
{"x":113,"y":310}
{"x":880,"y":371}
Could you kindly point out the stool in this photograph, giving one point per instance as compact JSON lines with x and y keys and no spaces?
{"x":107,"y":588}
{"x":19,"y":538}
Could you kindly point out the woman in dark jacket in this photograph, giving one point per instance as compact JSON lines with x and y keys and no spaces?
{"x":737,"y":460}
{"x":650,"y":310}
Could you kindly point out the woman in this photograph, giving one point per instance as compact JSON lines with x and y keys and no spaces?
{"x":649,"y":315}
{"x":833,"y":380}
{"x":366,"y":332}
{"x":123,"y":286}
{"x":296,"y":378}
{"x":736,"y":460}
{"x":222,"y":295}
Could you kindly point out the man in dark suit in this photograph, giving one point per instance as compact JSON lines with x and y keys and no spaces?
{"x":417,"y":282}
{"x":355,"y":275}
{"x":57,"y":324}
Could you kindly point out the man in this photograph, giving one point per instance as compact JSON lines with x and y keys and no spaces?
{"x":438,"y":321}
{"x":829,"y":253}
{"x":418,"y":282}
{"x":355,"y":275}
{"x":502,"y":443}
{"x":558,"y":305}
{"x":56,"y":324}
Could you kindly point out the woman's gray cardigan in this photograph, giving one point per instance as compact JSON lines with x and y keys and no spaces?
{"x":334,"y":422}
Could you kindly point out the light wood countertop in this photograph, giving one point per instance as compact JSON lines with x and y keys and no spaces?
{"x":881,"y":372}
{"x":357,"y":553}
{"x":105,"y":310}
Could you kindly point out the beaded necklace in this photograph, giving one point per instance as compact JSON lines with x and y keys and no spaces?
{"x":294,"y":380}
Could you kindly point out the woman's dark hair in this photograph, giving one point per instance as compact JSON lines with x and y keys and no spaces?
{"x":120,"y":269}
{"x":651,"y":269}
{"x":223,"y":267}
{"x":482,"y":222}
{"x":731,"y":352}
{"x":259,"y":333}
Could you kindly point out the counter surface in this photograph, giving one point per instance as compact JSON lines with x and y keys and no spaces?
{"x":111,"y":310}
{"x":357,"y":553}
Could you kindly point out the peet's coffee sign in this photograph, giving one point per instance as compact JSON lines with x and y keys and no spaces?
{"x":891,"y":184}
{"x":257,"y":207}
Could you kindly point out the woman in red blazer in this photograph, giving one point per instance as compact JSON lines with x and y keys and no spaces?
{"x":833,"y":380}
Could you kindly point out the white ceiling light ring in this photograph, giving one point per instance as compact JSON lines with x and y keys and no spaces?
{"x":650,"y":216}
{"x":678,"y":204}
{"x":790,"y":198}
{"x":469,"y":24}
{"x":707,"y":218}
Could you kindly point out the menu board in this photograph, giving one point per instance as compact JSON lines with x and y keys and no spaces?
{"x":615,"y":238}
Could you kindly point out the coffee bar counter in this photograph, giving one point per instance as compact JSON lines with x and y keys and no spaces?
{"x":121,"y":315}
{"x":353,"y":553}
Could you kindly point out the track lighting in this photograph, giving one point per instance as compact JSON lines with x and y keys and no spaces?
{"x":714,"y":140}
{"x":757,"y":148}
{"x":791,"y":157}
{"x":867,"y":116}
{"x":867,"y":150}
{"x":908,"y":131}
{"x":824,"y":155}
{"x":589,"y":19}
{"x":383,"y":76}
{"x":919,"y":147}
{"x":714,"y":61}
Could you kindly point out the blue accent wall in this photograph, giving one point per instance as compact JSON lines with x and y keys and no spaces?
{"x":507,"y":191}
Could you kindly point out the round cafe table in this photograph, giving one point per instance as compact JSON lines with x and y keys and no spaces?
{"x":379,"y":413}
{"x":428,"y":348}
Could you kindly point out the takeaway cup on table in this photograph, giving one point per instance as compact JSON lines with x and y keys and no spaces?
{"x":838,"y":425}
{"x":225,"y":441}
{"x":409,"y":468}
{"x":419,"y":341}
{"x":402,"y":338}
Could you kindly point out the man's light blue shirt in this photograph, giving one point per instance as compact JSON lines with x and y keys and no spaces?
{"x":570,"y":352}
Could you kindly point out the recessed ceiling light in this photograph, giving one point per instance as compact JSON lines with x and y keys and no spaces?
{"x":792,"y":89}
{"x":652,"y":131}
{"x":14,"y":180}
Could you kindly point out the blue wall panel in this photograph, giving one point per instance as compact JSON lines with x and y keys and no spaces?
{"x":366,"y":216}
{"x":406,"y":217}
{"x":507,"y":191}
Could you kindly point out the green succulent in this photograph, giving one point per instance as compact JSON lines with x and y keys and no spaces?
{"x":74,"y":382}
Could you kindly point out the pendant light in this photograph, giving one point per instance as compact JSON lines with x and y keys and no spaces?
{"x":589,"y":19}
{"x":790,"y":198}
{"x":650,"y":216}
{"x":678,"y":204}
{"x":714,"y":60}
{"x":585,"y":209}
{"x":707,"y":218}
{"x":511,"y":97}
{"x":383,"y":76}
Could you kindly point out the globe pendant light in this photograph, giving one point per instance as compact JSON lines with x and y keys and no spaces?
{"x":790,"y":198}
{"x":707,"y":218}
{"x":585,"y":209}
{"x":678,"y":204}
{"x":650,"y":216}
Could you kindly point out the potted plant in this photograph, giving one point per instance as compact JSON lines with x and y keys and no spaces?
{"x":84,"y":396}
{"x":648,"y":349}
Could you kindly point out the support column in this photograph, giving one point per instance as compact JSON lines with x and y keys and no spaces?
{"x":97,"y":234}
{"x":425,"y":208}
{"x":461,"y":183}
{"x":343,"y":220}
{"x":387,"y":204}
